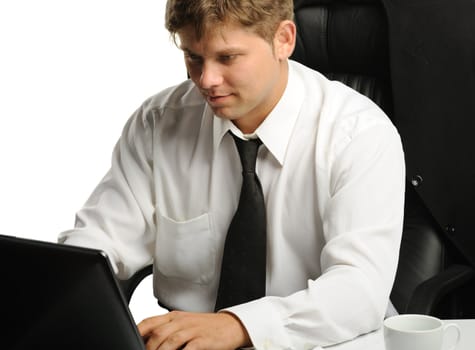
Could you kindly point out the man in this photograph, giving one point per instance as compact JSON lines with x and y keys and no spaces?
{"x":330,"y":167}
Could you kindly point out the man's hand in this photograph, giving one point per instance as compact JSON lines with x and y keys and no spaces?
{"x":194,"y":331}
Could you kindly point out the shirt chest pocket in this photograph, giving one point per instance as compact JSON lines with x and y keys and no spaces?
{"x":186,"y":250}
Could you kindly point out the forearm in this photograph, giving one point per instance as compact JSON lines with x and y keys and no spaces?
{"x":336,"y":307}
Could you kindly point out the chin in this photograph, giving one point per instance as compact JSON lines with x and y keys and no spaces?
{"x":224,"y":114}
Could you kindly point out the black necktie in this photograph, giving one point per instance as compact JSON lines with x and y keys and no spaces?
{"x":243,"y":270}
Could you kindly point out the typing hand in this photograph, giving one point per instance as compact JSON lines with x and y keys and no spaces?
{"x":193,"y":331}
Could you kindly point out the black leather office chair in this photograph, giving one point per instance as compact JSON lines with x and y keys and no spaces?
{"x":128,"y":286}
{"x":347,"y":40}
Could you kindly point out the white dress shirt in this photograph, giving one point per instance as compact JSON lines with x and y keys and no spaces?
{"x":332,"y":172}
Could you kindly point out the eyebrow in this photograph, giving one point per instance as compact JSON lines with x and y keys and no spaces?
{"x":225,"y":52}
{"x":184,"y":49}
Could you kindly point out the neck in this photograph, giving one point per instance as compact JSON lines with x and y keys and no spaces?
{"x":249,"y":124}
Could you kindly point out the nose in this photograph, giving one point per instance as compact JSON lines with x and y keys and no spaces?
{"x":211,"y":76}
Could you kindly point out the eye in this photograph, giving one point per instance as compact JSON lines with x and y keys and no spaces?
{"x":227,"y":58}
{"x":193,"y":58}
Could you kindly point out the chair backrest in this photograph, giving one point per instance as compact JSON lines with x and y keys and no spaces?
{"x":348,"y":40}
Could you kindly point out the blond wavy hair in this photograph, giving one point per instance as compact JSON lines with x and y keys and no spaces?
{"x":259,"y":16}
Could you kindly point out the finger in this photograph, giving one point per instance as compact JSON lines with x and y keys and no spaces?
{"x":177,"y":340}
{"x":149,"y":324}
{"x":165,"y":333}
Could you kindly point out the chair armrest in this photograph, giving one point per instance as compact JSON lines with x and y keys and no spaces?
{"x":128,"y":286}
{"x":430,"y":292}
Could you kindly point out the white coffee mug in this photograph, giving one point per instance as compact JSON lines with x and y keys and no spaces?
{"x":417,"y":332}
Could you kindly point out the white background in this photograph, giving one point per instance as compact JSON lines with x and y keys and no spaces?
{"x":71,"y":73}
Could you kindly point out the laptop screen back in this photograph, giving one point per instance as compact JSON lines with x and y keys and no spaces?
{"x":61,"y":297}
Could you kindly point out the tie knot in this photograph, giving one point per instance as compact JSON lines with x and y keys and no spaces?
{"x":247,"y":150}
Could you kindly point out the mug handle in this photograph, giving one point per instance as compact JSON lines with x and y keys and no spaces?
{"x":457,"y":328}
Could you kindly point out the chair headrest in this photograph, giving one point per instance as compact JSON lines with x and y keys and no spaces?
{"x":342,"y":36}
{"x":346,"y":40}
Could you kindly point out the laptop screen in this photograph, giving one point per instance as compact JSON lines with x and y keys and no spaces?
{"x":61,"y":297}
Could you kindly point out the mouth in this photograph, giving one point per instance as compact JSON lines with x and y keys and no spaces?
{"x":214,"y":99}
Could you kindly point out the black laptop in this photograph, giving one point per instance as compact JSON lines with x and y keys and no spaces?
{"x":56,"y":296}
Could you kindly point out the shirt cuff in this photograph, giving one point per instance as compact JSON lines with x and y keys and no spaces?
{"x":263,"y":324}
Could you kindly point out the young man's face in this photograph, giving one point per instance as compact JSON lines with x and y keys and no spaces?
{"x":241,"y":76}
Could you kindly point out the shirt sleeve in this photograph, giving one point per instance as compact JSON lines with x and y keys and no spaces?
{"x":362,"y":224}
{"x":118,"y":216}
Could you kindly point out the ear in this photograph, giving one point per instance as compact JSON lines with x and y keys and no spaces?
{"x":284,"y":39}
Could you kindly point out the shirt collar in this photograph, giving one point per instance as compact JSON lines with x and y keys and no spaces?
{"x":276,"y":129}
